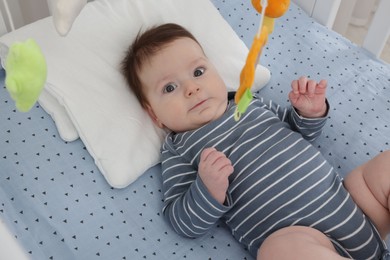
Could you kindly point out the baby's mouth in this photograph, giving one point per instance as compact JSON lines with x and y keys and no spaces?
{"x":198,"y":104}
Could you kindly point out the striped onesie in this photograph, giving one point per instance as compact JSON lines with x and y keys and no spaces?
{"x":279,"y":180}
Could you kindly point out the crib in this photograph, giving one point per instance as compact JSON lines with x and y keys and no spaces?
{"x":55,"y":201}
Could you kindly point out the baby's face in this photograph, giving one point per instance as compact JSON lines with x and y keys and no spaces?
{"x":183,"y":88}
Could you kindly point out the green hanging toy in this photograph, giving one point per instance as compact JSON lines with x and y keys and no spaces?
{"x":26,"y":73}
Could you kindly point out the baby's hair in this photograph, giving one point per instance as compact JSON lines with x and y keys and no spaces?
{"x":145,"y":46}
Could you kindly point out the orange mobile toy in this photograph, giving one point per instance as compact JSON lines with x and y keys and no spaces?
{"x":269,"y":9}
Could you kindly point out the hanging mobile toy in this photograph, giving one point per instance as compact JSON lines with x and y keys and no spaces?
{"x":26,"y":73}
{"x":269,"y":10}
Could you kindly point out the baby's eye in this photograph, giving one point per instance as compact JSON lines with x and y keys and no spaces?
{"x":199,"y":72}
{"x":169,"y":88}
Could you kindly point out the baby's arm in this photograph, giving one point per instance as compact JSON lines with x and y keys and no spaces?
{"x":188,"y":204}
{"x":308,"y":112}
{"x":214,"y":170}
{"x":308,"y":97}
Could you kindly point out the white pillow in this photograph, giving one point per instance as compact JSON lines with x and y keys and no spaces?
{"x":84,"y":77}
{"x":51,"y":105}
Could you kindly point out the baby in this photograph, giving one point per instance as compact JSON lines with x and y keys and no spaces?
{"x":261,"y":176}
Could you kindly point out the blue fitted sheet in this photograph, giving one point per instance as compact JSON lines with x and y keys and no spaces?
{"x":59,"y":206}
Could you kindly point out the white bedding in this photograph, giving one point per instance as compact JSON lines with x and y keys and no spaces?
{"x":88,"y":98}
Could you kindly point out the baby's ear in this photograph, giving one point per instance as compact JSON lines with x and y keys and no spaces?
{"x":153,"y":116}
{"x":64,"y":13}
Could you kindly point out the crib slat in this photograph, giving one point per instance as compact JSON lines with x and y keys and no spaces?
{"x":379,"y":30}
{"x":324,"y":11}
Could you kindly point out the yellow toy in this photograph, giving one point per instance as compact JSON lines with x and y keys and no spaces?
{"x":269,"y":10}
{"x":26,"y":72}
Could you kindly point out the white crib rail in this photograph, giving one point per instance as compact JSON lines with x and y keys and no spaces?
{"x":3,"y":28}
{"x":324,"y":11}
{"x":379,"y":30}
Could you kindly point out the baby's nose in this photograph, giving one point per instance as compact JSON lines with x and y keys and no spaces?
{"x":191,"y":89}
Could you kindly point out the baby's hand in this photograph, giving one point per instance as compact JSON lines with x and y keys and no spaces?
{"x":308,"y":97}
{"x":214,"y":170}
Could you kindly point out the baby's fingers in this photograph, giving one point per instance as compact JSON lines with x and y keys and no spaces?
{"x":311,"y":88}
{"x":321,"y":87}
{"x":224,"y":165}
{"x":206,"y":153}
{"x":302,"y":84}
{"x":294,"y":87}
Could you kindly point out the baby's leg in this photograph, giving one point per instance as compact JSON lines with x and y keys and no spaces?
{"x":297,"y":242}
{"x":369,"y":186}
